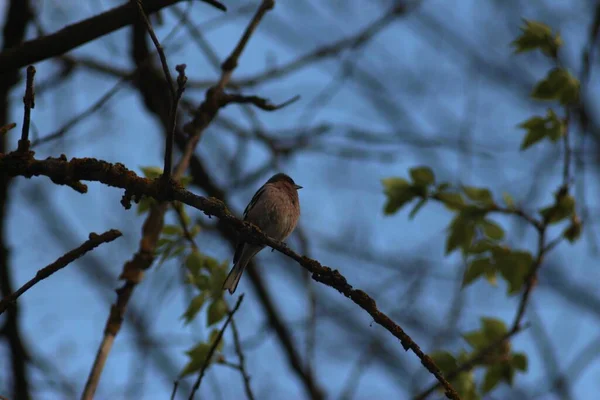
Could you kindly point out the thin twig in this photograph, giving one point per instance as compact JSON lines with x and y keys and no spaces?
{"x":175,"y":386}
{"x":241,"y":357}
{"x":259,"y":102}
{"x":159,"y":49}
{"x":175,"y":95}
{"x":28,"y":103}
{"x":124,"y":77}
{"x":94,"y":241}
{"x":214,"y":347}
{"x":567,"y":150}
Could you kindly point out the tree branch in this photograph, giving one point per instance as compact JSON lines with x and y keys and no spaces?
{"x":214,"y":347}
{"x":80,"y":33}
{"x":117,"y":175}
{"x":94,"y":241}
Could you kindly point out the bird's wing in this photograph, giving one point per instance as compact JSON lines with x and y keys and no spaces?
{"x":253,"y":201}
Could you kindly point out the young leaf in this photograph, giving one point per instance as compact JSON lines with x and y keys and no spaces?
{"x":492,"y":230}
{"x":494,"y":375}
{"x":494,"y":328}
{"x":490,"y":276}
{"x":514,"y":267}
{"x":479,"y":195}
{"x":475,"y":269}
{"x":557,"y":212}
{"x":197,"y":356}
{"x":152,"y":172}
{"x":453,"y":201}
{"x":444,"y":360}
{"x":508,"y":200}
{"x":560,"y":85}
{"x":194,"y":262}
{"x":462,"y":231}
{"x":476,"y":339}
{"x":194,"y":307}
{"x":172,"y":230}
{"x":519,"y":361}
{"x":422,"y":176}
{"x":573,"y":231}
{"x":465,"y":386}
{"x":399,"y":192}
{"x":539,"y":128}
{"x":216,"y":311}
{"x":536,"y":35}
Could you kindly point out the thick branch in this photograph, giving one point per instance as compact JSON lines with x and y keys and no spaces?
{"x":80,"y":33}
{"x":63,"y":171}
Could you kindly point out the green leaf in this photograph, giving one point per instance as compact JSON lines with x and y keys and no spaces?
{"x":493,"y":376}
{"x":453,"y":201}
{"x":492,"y":230}
{"x":535,"y":132}
{"x":218,"y":276}
{"x":490,"y":276}
{"x":508,"y":200}
{"x":195,"y":230}
{"x":172,"y":230}
{"x":465,"y":386}
{"x":493,"y":328}
{"x":557,"y":212}
{"x":573,"y":231}
{"x":202,"y":282}
{"x":514,"y":267}
{"x":216,"y":311}
{"x":145,"y":204}
{"x":519,"y":361}
{"x":152,"y":172}
{"x":185,"y":180}
{"x":476,"y":339}
{"x":462,"y":232}
{"x":444,"y":360}
{"x":194,"y":307}
{"x":536,"y":35}
{"x":422,"y":176}
{"x":479,"y":195}
{"x":194,"y":262}
{"x":539,"y":128}
{"x":398,"y":192}
{"x":416,"y":208}
{"x":475,"y":269}
{"x":198,"y":356}
{"x":163,"y":242}
{"x":560,"y":85}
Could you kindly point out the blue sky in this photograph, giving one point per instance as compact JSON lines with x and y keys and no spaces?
{"x":447,"y":77}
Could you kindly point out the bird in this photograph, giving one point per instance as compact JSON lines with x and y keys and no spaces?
{"x":275,"y":209}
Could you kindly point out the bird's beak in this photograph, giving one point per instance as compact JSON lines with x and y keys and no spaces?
{"x":298,"y":187}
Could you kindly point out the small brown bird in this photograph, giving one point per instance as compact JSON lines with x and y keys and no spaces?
{"x":275,"y":209}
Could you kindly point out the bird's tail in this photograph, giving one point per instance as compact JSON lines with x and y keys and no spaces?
{"x":234,"y":275}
